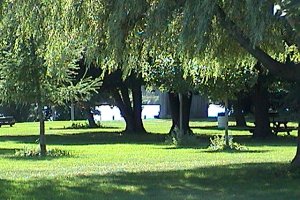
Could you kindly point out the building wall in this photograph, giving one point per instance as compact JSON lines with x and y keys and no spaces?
{"x":199,"y":107}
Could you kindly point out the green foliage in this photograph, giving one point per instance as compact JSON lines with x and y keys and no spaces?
{"x":38,"y":57}
{"x":188,"y":139}
{"x":35,"y":152}
{"x":82,"y":126}
{"x":166,"y":74}
{"x":218,"y":143}
{"x":225,"y":83}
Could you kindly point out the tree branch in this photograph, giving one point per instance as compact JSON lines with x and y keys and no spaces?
{"x":289,"y":71}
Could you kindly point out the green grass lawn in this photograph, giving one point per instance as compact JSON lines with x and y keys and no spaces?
{"x":105,"y":164}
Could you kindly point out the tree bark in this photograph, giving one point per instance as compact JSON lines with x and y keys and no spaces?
{"x":124,"y":109}
{"x":187,"y":102}
{"x":42,"y":130}
{"x":137,"y":108}
{"x":238,"y":112}
{"x":175,"y":111}
{"x":130,"y":111}
{"x":89,"y":116}
{"x":91,"y":119}
{"x":261,"y":114}
{"x":296,"y":160}
{"x":174,"y":107}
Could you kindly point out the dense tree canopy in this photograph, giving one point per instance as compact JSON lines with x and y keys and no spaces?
{"x":41,"y":41}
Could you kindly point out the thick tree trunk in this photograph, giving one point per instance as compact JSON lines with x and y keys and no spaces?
{"x":130,"y":112}
{"x":296,"y":160}
{"x":175,"y":111}
{"x":137,"y":108}
{"x":238,"y":112}
{"x":42,"y":130}
{"x":261,"y":104}
{"x":187,"y":102}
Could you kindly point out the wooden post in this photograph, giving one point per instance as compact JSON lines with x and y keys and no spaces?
{"x":42,"y":130}
{"x":72,"y":112}
{"x":226,"y":124}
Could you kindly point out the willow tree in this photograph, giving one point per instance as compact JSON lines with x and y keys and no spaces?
{"x":162,"y":69}
{"x":218,"y":32}
{"x":38,"y":61}
{"x":109,"y":31}
{"x":165,"y":73}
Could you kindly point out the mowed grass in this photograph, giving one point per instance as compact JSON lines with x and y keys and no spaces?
{"x":106,"y":164}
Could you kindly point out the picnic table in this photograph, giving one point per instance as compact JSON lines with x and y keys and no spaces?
{"x":279,"y":124}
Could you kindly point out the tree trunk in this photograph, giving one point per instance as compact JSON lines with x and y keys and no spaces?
{"x":42,"y":130}
{"x":238,"y":112}
{"x":187,"y":102}
{"x":174,"y":108}
{"x":90,"y":116}
{"x":91,"y":119}
{"x":131,"y":115}
{"x":137,"y":108}
{"x":296,"y":160}
{"x":175,"y":111}
{"x":261,"y":115}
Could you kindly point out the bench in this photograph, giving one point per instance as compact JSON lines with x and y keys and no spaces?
{"x":7,"y":120}
{"x":288,"y":130}
{"x":281,"y":126}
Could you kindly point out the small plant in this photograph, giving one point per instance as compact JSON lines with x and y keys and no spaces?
{"x":218,"y":143}
{"x":28,"y":152}
{"x":82,"y":126}
{"x":35,"y":152}
{"x":58,"y":152}
{"x":188,"y":139}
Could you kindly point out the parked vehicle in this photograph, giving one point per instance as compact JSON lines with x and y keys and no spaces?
{"x":7,"y":120}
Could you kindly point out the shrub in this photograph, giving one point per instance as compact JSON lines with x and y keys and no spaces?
{"x":188,"y":139}
{"x":35,"y":152}
{"x":218,"y":143}
{"x":83,"y":126}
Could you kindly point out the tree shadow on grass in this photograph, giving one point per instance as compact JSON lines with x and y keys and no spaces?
{"x":7,"y":151}
{"x":214,"y":127}
{"x":206,"y":150}
{"x":10,"y":153}
{"x":87,"y":138}
{"x":238,"y":151}
{"x":87,"y":128}
{"x":239,"y":181}
{"x":37,"y":158}
{"x":250,"y":141}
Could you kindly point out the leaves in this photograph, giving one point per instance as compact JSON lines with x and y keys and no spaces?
{"x":39,"y":58}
